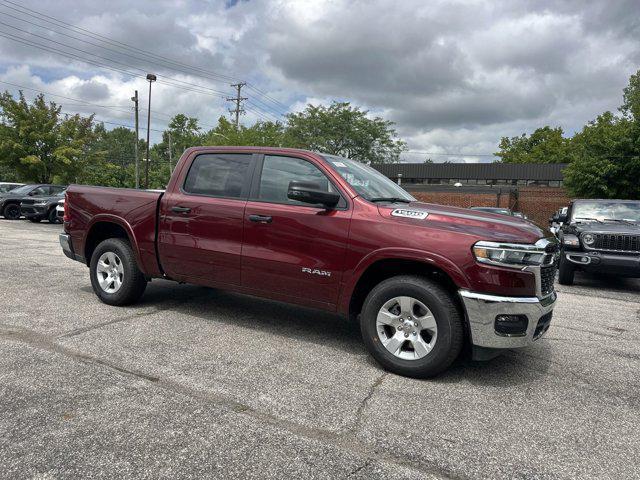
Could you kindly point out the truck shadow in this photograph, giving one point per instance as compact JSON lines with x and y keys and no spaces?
{"x":330,"y":330}
{"x":602,"y":282}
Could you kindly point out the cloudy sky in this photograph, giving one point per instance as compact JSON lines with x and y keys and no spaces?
{"x":455,"y":76}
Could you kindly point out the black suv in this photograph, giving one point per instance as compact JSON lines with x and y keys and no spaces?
{"x":36,"y":209}
{"x":10,"y":201}
{"x":599,"y":236}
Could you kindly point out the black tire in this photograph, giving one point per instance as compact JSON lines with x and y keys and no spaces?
{"x":53,"y":216}
{"x":565,"y":271}
{"x":11,"y":211}
{"x":34,"y":219}
{"x":133,"y":281}
{"x":448,"y":318}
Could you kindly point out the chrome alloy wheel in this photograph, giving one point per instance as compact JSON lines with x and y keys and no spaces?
{"x":110,"y":272}
{"x":406,"y":328}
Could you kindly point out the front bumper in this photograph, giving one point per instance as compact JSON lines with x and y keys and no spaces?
{"x":67,"y":248}
{"x":605,"y":262}
{"x":482,"y":310}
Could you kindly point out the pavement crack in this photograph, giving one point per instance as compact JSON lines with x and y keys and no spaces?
{"x":363,"y":404}
{"x":359,"y":468}
{"x":347,"y":442}
{"x":136,"y":314}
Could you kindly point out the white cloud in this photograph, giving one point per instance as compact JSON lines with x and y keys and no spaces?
{"x":454,"y":75}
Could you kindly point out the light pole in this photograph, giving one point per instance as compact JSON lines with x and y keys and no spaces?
{"x":151,"y":78}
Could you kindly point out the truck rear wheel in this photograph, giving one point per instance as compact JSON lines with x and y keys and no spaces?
{"x":412,"y":326}
{"x":115,"y":276}
{"x":565,"y":271}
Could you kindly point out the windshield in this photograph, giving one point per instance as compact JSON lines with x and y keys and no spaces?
{"x":23,"y":190}
{"x":600,"y":211}
{"x":368,"y":182}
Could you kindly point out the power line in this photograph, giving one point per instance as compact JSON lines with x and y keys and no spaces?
{"x":142,"y":71}
{"x":109,"y":107}
{"x":123,"y":46}
{"x":21,"y":9}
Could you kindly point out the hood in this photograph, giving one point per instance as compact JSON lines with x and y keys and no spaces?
{"x":487,"y":226}
{"x":605,"y":227}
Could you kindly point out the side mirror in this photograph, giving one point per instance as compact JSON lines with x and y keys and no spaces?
{"x":562,"y":218}
{"x":309,"y":192}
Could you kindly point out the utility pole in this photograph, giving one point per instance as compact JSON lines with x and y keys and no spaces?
{"x":135,"y":101}
{"x":238,"y":101}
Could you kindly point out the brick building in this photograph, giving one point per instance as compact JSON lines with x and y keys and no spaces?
{"x":534,"y":189}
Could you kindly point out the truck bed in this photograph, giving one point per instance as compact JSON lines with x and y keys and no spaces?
{"x":134,"y":210}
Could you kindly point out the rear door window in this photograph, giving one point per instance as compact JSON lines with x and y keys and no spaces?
{"x":226,"y":175}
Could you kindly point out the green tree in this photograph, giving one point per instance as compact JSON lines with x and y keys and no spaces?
{"x":259,"y":134}
{"x":112,"y":162}
{"x":607,"y":163}
{"x":544,"y":145}
{"x":38,"y":143}
{"x":341,"y":129}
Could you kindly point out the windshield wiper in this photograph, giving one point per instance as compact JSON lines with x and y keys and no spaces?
{"x":588,"y":218}
{"x":390,"y":199}
{"x":622,"y":220}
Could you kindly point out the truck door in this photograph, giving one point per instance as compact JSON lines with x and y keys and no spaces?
{"x":200,"y":224}
{"x":293,"y":251}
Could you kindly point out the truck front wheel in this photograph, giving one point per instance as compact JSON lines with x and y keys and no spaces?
{"x":115,"y":276}
{"x":412,"y":326}
{"x":565,"y":271}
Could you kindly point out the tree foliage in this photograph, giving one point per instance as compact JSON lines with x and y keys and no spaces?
{"x":603,"y":158}
{"x":38,"y":143}
{"x":544,"y":145}
{"x":341,"y":129}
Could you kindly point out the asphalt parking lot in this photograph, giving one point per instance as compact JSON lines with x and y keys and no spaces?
{"x":194,"y":382}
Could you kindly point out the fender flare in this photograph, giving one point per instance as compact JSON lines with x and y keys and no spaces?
{"x":109,"y":218}
{"x":428,"y":258}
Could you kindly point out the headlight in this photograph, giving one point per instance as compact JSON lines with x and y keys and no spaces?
{"x":588,"y":239}
{"x":514,"y":254}
{"x":570,"y":240}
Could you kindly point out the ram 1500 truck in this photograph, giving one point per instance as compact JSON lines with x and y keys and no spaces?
{"x":325,"y":232}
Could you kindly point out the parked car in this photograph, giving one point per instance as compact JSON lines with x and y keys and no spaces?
{"x":60,"y":210}
{"x":599,"y":236}
{"x":554,"y":221}
{"x":325,"y":232}
{"x":10,"y":201}
{"x":36,"y":209}
{"x":8,"y":186}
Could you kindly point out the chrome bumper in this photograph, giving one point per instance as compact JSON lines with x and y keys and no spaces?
{"x":482,"y":309}
{"x":67,"y":248}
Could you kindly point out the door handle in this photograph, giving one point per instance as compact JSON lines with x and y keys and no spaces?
{"x":180,"y":209}
{"x":260,"y":218}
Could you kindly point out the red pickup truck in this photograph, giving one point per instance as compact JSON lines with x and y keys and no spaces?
{"x":329,"y":233}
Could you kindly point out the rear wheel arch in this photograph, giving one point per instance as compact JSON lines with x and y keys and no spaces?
{"x":103,"y":230}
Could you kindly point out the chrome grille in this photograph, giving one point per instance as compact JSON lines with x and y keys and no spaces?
{"x":620,"y":243}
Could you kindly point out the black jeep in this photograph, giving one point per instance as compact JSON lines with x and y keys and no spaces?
{"x":599,"y":236}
